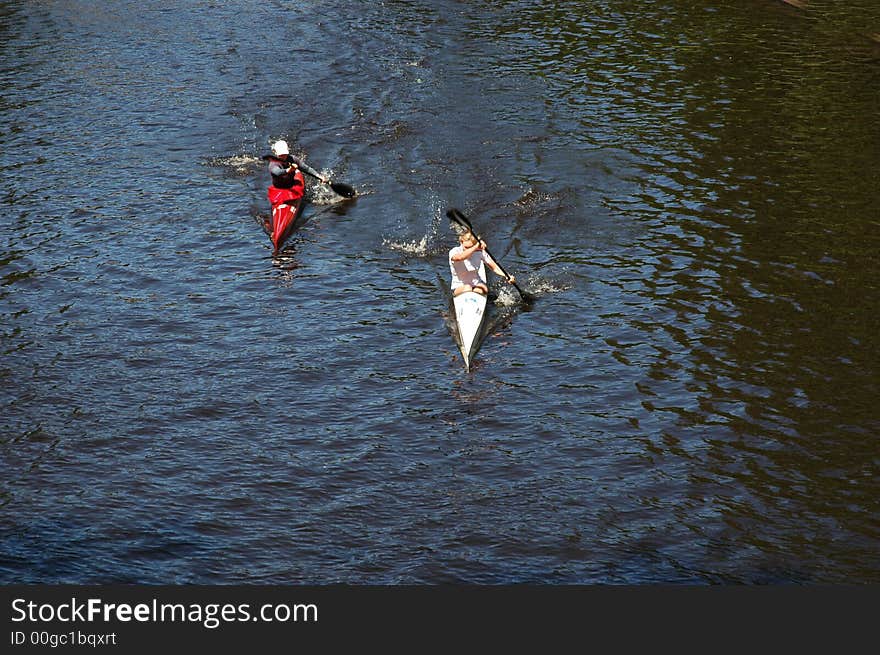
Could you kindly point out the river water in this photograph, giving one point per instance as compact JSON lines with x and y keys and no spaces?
{"x":689,"y":190}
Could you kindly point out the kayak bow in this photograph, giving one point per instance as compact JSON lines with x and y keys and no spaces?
{"x":469,"y":312}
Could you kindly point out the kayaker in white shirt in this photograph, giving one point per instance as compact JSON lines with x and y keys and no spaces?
{"x":467,"y":265}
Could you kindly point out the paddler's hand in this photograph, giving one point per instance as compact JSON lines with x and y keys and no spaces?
{"x":325,"y":179}
{"x":511,"y":279}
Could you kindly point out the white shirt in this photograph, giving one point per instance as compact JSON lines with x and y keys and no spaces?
{"x":467,"y":271}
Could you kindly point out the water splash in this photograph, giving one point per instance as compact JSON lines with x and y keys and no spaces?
{"x":417,"y":248}
{"x":238,"y":163}
{"x":507,"y":297}
{"x":541,"y":286}
{"x":532,"y":198}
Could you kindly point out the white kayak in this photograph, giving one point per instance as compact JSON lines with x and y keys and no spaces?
{"x":470,"y":318}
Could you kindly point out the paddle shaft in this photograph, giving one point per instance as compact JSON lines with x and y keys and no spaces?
{"x":339,"y":187}
{"x":498,"y":264}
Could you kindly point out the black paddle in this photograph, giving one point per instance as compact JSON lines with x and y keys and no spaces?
{"x":456,"y":216}
{"x":343,"y":189}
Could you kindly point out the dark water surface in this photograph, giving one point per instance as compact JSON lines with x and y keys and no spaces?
{"x":690,"y":189}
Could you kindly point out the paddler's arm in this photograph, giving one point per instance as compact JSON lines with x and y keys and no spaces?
{"x":465,"y":253}
{"x":277,"y":169}
{"x":495,"y":268}
{"x":309,"y":170}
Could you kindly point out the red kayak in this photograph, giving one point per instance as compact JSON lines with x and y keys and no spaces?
{"x":287,"y":206}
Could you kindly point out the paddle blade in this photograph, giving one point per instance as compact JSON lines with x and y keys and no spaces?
{"x":343,"y":189}
{"x":527,"y":298}
{"x":459,"y":219}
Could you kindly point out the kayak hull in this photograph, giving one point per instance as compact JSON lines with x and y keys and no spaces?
{"x":469,"y":312}
{"x":287,"y":208}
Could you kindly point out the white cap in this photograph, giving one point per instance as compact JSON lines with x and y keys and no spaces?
{"x":280,"y":148}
